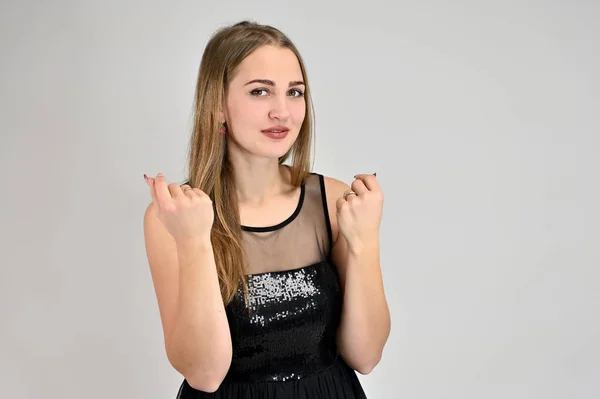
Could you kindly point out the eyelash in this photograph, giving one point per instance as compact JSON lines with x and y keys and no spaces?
{"x":254,"y":92}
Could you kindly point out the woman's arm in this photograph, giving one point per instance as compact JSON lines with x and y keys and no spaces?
{"x":195,"y":326}
{"x":365,"y":323}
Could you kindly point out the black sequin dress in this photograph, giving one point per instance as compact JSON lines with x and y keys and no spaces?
{"x":286,"y":348}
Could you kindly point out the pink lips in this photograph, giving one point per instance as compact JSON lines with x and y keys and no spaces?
{"x":276,"y":132}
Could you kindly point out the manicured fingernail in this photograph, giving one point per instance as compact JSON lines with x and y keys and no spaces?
{"x":146,"y":178}
{"x":375,"y":174}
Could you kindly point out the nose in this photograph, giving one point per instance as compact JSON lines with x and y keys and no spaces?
{"x":279,"y":108}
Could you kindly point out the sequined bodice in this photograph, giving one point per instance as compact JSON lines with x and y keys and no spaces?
{"x":290,"y":332}
{"x":295,"y":305}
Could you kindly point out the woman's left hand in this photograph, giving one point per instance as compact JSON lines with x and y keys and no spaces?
{"x":359,"y":216}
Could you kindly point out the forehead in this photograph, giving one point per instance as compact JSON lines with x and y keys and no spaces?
{"x":270,"y":62}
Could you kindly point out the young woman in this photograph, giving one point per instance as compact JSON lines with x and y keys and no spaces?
{"x":267,"y":276}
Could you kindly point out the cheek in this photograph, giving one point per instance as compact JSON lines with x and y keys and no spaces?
{"x":298,"y":112}
{"x":244,"y":113}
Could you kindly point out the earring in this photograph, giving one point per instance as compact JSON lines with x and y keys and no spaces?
{"x":222,"y":128}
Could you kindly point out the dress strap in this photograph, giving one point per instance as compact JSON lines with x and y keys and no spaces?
{"x":326,"y":210}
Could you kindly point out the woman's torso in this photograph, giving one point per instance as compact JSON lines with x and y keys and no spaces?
{"x":285,"y":341}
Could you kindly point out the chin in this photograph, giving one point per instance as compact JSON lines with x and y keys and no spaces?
{"x":273,"y":150}
{"x":262,"y":149}
{"x":271,"y":155}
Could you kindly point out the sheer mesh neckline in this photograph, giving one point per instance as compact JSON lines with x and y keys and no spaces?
{"x":285,"y":222}
{"x":284,"y":271}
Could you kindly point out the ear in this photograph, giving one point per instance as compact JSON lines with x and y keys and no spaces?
{"x":222,"y":115}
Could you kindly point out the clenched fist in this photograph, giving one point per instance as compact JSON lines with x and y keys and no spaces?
{"x":186,"y":212}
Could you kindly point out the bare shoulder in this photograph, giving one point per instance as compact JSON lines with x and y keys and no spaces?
{"x":161,"y":248}
{"x":153,"y":227}
{"x":151,"y":212}
{"x":160,"y":244}
{"x":335,"y":185}
{"x":161,"y":252}
{"x":334,"y":189}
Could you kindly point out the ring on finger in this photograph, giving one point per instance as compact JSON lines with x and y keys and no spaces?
{"x":347,"y":193}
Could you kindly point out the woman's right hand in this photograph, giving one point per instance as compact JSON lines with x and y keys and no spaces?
{"x":187,"y":213}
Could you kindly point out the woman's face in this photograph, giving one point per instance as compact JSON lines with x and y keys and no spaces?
{"x":266,"y":97}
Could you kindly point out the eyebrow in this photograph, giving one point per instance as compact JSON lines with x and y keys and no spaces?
{"x":271,"y":83}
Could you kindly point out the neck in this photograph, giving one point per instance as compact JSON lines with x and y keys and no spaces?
{"x":258,"y":179}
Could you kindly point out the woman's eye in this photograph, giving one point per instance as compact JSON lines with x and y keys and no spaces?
{"x":256,"y":92}
{"x":263,"y":92}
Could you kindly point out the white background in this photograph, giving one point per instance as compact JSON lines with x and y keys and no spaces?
{"x":480,"y":118}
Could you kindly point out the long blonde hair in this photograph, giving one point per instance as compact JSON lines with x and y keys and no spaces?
{"x":208,"y":164}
